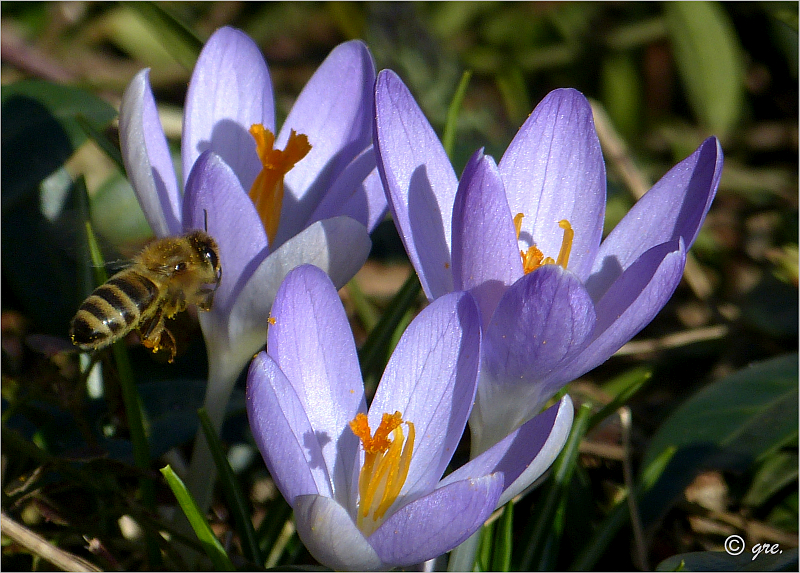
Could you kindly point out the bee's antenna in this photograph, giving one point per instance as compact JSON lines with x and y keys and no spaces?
{"x":205,"y":220}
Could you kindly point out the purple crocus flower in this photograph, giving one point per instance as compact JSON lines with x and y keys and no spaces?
{"x":311,"y":199}
{"x":524,"y":237}
{"x":366,"y":484}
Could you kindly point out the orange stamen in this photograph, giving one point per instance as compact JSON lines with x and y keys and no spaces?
{"x":267,"y":190}
{"x":385,"y":467}
{"x":533,"y":258}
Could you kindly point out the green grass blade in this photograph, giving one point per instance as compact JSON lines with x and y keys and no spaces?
{"x":133,"y":404}
{"x":619,"y":515}
{"x":542,"y":548}
{"x":365,"y":310}
{"x":449,"y":134}
{"x":233,"y":493}
{"x":622,"y":387}
{"x":102,"y":141}
{"x":211,"y":544}
{"x":375,"y":351}
{"x":503,"y":540}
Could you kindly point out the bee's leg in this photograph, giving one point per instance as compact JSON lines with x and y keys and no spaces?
{"x":155,"y":335}
{"x":167,"y":342}
{"x":176,"y":302}
{"x":150,"y":328}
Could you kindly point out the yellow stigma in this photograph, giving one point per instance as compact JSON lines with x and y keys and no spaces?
{"x":533,"y":258}
{"x":385,"y":467}
{"x":267,"y":189}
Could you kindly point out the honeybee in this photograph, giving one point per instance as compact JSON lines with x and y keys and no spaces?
{"x":165,"y":277}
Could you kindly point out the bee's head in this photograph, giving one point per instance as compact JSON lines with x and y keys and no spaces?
{"x":207,"y":250}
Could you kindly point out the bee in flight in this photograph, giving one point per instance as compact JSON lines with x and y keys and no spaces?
{"x":165,"y":277}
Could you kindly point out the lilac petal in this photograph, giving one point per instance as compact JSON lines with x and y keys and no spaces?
{"x":556,"y":439}
{"x":631,"y":303}
{"x":554,"y":170}
{"x":430,"y":379}
{"x":285,"y":437}
{"x":147,"y":159}
{"x":419,"y":181}
{"x":543,"y":321}
{"x":312,"y":343}
{"x":214,"y":196}
{"x":357,"y":193}
{"x":526,"y":452}
{"x":675,"y":207}
{"x":437,"y":522}
{"x":331,"y":536}
{"x":335,"y":111}
{"x":486,"y":257}
{"x":338,"y":246}
{"x":229,"y":91}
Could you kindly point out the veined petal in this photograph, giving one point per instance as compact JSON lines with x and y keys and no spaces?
{"x":553,"y":170}
{"x":335,"y":111}
{"x":419,"y":181}
{"x":437,"y":522}
{"x":543,"y":321}
{"x":675,"y":207}
{"x":147,"y":159}
{"x":525,"y":454}
{"x":632,"y":301}
{"x":338,"y":246}
{"x":486,"y":257}
{"x":357,"y":193}
{"x":285,"y":437}
{"x":312,"y":343}
{"x":555,"y":432}
{"x":430,"y":379}
{"x":331,"y":536}
{"x":229,"y":91}
{"x":215,"y":197}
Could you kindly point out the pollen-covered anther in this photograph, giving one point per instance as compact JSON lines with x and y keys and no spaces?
{"x":267,"y":190}
{"x":385,"y":468}
{"x":533,"y":258}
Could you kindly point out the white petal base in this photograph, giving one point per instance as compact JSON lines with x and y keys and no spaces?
{"x":330,"y":535}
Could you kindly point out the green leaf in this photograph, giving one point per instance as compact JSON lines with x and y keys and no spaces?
{"x":786,"y":560}
{"x":622,"y":90}
{"x":211,"y":544}
{"x":177,"y":38}
{"x":41,"y":129}
{"x":709,"y":60}
{"x":517,"y":100}
{"x":730,"y":424}
{"x":784,"y":514}
{"x":777,"y":472}
{"x":747,"y":414}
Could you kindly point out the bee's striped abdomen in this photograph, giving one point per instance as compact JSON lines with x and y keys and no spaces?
{"x":113,"y":309}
